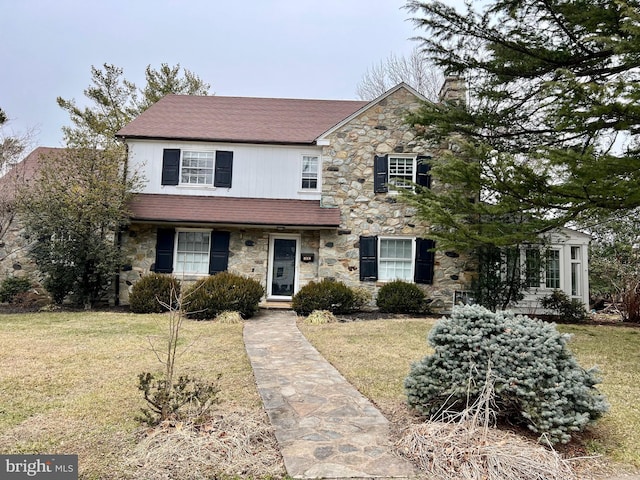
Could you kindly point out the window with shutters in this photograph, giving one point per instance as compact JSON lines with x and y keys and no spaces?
{"x":197,"y":168}
{"x":192,"y":252}
{"x":395,"y":172}
{"x":310,"y":166}
{"x":395,"y":259}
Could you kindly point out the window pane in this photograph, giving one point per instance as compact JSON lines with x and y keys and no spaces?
{"x":575,"y":279}
{"x":401,"y":172}
{"x":532,"y":266}
{"x":192,"y":255}
{"x":553,"y":269}
{"x":395,"y":260}
{"x":309,"y":172}
{"x":197,"y":168}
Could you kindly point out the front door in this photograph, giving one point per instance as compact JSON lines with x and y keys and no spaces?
{"x":283,"y":271}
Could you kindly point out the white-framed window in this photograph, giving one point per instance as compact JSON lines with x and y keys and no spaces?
{"x":192,"y":251}
{"x":396,"y":259}
{"x":310,"y":168}
{"x":576,"y":267}
{"x":532,"y":267}
{"x":197,"y":168}
{"x":553,"y":269}
{"x":402,"y":172}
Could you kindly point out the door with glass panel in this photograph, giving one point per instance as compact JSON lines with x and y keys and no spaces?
{"x":283,"y":268}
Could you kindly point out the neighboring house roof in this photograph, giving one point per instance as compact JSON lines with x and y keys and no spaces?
{"x":239,"y":119}
{"x":232,"y":211}
{"x":26,"y":170}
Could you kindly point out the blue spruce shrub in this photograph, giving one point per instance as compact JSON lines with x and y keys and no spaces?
{"x":537,"y":381}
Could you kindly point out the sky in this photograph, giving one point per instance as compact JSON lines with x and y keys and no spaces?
{"x":253,"y":48}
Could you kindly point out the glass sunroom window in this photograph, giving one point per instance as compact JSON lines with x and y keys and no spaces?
{"x":395,"y":260}
{"x":192,"y":252}
{"x":553,"y":269}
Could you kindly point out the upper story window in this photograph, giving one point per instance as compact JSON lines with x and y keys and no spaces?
{"x":197,"y":168}
{"x":401,"y":172}
{"x":310,"y":165}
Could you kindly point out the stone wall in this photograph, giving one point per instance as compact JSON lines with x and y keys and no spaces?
{"x":348,"y":183}
{"x":248,"y":255}
{"x":14,"y":254}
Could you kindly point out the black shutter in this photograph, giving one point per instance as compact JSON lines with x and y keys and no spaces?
{"x":425,"y":261}
{"x":380,"y":172}
{"x":171,"y":166}
{"x":164,"y":250}
{"x":423,"y":177}
{"x":224,"y":168}
{"x":368,"y":258}
{"x":219,"y":254}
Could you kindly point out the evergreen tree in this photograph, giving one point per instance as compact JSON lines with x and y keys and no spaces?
{"x":551,"y":129}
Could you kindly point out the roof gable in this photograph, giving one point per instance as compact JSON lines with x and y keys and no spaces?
{"x":239,"y":119}
{"x":321,"y":140}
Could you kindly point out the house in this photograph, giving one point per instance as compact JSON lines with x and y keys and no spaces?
{"x":285,"y":191}
{"x":288,"y":191}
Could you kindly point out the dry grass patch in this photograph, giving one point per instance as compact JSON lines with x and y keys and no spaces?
{"x":375,"y":357}
{"x":68,"y":381}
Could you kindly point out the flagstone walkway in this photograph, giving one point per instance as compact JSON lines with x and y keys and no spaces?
{"x":325,"y":428}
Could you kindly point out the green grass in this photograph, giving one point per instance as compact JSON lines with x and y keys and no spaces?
{"x":68,"y":381}
{"x":375,"y":356}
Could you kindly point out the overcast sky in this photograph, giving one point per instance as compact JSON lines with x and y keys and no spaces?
{"x":257,"y":48}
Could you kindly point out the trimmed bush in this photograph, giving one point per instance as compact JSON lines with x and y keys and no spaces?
{"x":400,"y":297}
{"x":10,"y":287}
{"x":153,"y":292}
{"x":569,"y":310}
{"x":537,"y":381}
{"x":327,"y":294}
{"x":210,"y":296}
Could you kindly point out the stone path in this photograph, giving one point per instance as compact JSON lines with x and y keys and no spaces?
{"x":324,"y":426}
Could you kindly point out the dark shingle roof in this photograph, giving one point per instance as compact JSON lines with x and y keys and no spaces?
{"x":239,"y":119}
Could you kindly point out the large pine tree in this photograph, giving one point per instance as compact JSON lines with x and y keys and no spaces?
{"x":550,"y":131}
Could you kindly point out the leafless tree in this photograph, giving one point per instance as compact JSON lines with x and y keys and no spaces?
{"x":415,"y":70}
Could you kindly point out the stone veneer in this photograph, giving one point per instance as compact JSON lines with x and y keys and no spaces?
{"x":14,"y":258}
{"x":248,"y":254}
{"x":348,"y":184}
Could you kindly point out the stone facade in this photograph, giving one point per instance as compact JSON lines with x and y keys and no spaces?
{"x":348,"y":184}
{"x":14,"y":249}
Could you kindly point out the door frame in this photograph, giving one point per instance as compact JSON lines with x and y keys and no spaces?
{"x":272,"y":238}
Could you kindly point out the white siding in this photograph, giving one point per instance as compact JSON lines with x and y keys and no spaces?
{"x":259,"y":171}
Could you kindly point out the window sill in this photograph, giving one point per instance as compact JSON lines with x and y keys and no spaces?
{"x":309,"y":192}
{"x":196,"y":187}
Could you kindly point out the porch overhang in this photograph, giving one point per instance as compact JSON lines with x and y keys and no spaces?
{"x":193,"y":209}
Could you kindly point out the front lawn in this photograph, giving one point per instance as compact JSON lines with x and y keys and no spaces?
{"x":375,"y":357}
{"x":68,"y":381}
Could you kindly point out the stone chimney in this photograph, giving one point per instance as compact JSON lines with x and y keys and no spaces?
{"x":453,"y":89}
